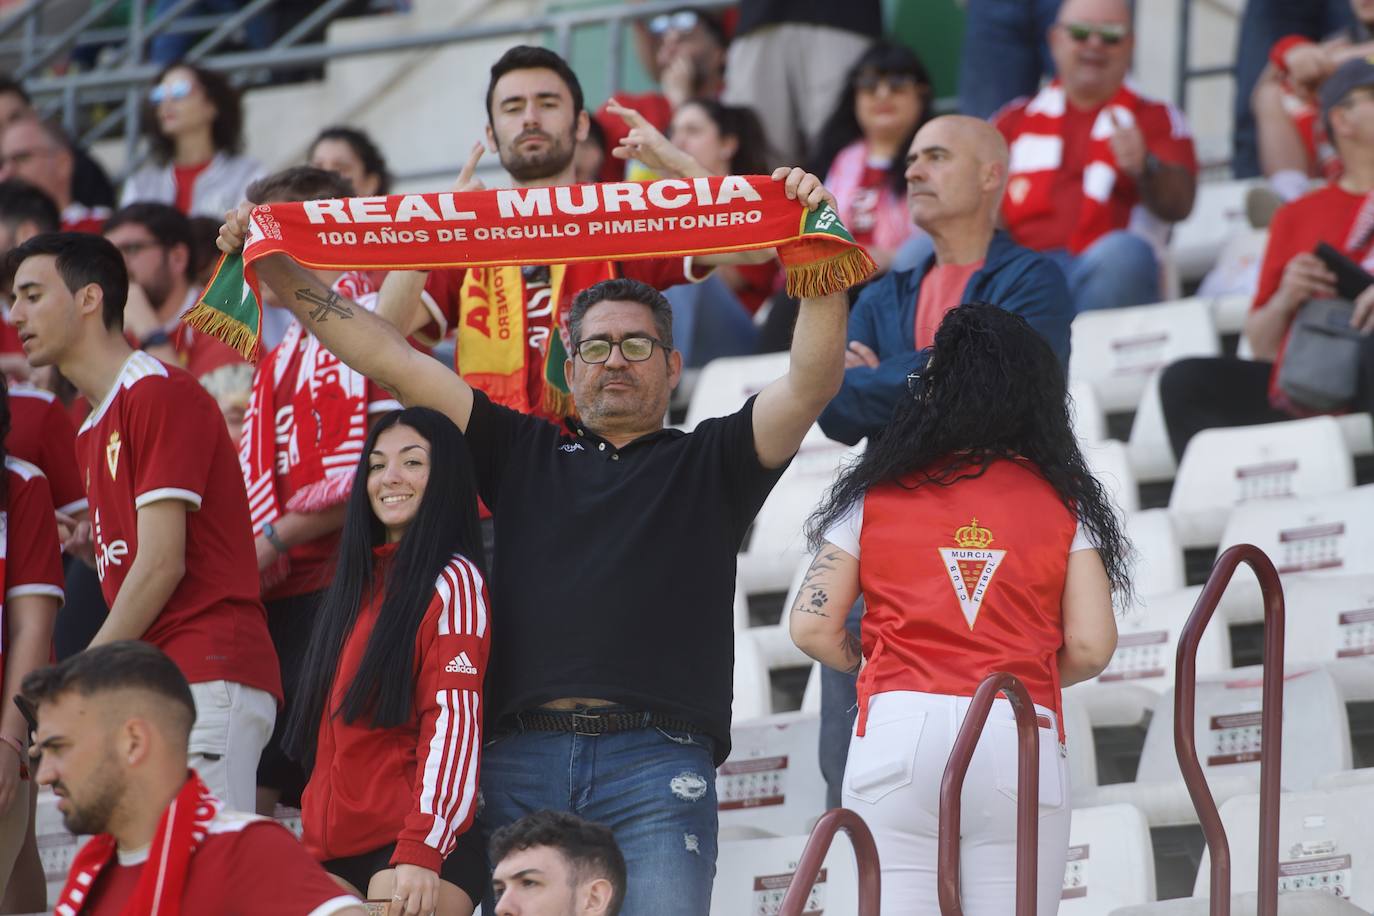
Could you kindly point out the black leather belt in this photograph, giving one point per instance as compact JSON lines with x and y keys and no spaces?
{"x":592,"y":723}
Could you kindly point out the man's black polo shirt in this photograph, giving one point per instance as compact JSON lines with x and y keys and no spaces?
{"x":614,"y":573}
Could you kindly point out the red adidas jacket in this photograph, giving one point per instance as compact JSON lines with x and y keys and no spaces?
{"x":416,"y":784}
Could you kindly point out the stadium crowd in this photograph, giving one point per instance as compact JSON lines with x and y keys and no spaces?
{"x":307,"y":582}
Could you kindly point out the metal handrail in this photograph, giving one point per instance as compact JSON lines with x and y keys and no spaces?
{"x":1027,"y":793}
{"x":1271,"y":728}
{"x":809,"y":866}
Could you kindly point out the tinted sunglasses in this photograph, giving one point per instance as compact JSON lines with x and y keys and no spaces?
{"x":1081,"y":32}
{"x":179,"y":89}
{"x":681,"y":21}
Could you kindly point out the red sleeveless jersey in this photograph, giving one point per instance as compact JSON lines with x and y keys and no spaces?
{"x":964,"y":580}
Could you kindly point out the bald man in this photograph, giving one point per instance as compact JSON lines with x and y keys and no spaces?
{"x":113,"y":725}
{"x":1098,"y":171}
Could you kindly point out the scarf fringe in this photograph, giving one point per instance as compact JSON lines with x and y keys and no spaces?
{"x":323,"y":494}
{"x":209,"y":320}
{"x":811,"y":279}
{"x":556,"y":402}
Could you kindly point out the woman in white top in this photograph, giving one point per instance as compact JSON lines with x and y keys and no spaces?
{"x":194,"y":125}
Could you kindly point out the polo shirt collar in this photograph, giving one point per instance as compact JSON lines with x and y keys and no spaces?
{"x":578,"y":430}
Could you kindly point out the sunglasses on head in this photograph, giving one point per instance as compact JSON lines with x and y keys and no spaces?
{"x":681,"y":21}
{"x":178,"y":89}
{"x":1110,"y":34}
{"x":895,"y":82}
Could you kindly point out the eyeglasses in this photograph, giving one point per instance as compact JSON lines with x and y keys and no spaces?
{"x":895,"y":82}
{"x":177,"y":89}
{"x":635,"y":349}
{"x":17,"y":159}
{"x":1080,"y":32}
{"x":681,"y":21}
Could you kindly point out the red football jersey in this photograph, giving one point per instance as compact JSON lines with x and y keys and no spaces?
{"x":42,"y":433}
{"x":247,"y":864}
{"x":31,"y":561}
{"x":159,"y":435}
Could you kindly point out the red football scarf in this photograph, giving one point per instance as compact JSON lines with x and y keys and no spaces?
{"x":179,"y":834}
{"x":522,"y":226}
{"x":1038,"y":151}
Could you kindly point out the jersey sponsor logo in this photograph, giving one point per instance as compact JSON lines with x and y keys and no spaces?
{"x":107,"y":554}
{"x":971,"y":566}
{"x":112,"y":454}
{"x":460,"y":664}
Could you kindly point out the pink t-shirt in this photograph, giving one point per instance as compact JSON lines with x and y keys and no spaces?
{"x":941,"y":290}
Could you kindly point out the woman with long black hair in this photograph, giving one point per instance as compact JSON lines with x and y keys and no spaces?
{"x":388,"y":716}
{"x":981,"y":543}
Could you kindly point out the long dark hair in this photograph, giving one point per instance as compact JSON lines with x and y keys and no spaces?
{"x":992,"y":390}
{"x":842,"y":127}
{"x":4,"y":434}
{"x":741,"y":122}
{"x":226,"y":131}
{"x":445,"y":524}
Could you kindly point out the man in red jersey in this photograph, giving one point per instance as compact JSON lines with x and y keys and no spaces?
{"x":113,"y":726}
{"x":168,"y":514}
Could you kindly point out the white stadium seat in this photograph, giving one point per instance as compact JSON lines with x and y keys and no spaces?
{"x":1110,"y":864}
{"x":753,"y":692}
{"x":1228,"y":312}
{"x":1330,"y":534}
{"x":1245,"y":903}
{"x":772,"y":783}
{"x":1116,"y":350}
{"x":1158,"y":567}
{"x":1108,"y":462}
{"x":726,"y":383}
{"x":1218,"y":214}
{"x":1225,"y":467}
{"x":753,"y":875}
{"x":1085,"y":411}
{"x":1151,"y":455}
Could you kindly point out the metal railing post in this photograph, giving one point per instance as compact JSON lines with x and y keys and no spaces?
{"x":1027,"y":793}
{"x":809,"y":865}
{"x":1271,"y":725}
{"x":65,"y":40}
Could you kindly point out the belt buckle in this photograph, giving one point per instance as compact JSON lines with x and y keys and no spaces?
{"x":596,"y":721}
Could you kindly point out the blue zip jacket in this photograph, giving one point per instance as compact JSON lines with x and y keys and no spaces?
{"x":1018,"y":279}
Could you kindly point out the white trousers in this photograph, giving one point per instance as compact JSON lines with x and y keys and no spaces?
{"x":892,"y":778}
{"x":233,"y":723}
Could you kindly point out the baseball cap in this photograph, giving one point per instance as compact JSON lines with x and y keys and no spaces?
{"x":1351,"y":75}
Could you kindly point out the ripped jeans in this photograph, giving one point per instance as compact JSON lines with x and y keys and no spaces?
{"x":655,"y":789}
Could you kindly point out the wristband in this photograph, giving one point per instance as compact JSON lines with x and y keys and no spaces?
{"x":269,"y":531}
{"x":155,"y":339}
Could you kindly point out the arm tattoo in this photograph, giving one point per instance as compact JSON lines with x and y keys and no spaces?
{"x":327,"y":304}
{"x":853,"y":651}
{"x":812,"y":596}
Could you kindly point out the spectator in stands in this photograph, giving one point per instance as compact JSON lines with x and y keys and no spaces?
{"x":303,"y":433}
{"x":616,"y":507}
{"x":351,"y":154}
{"x":551,"y":863}
{"x":25,"y":211}
{"x":91,"y":187}
{"x":116,"y":736}
{"x":979,"y":465}
{"x":1098,"y":170}
{"x":1198,"y":394}
{"x":788,"y":62}
{"x":388,"y":715}
{"x":40,"y":153}
{"x":862,"y":148}
{"x":1005,"y":53}
{"x":31,"y":580}
{"x":168,"y":47}
{"x":591,"y":155}
{"x":684,"y":51}
{"x":193,"y":122}
{"x":41,"y":433}
{"x":171,"y":540}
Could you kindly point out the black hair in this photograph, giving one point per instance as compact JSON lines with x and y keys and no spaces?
{"x":4,"y":435}
{"x":9,"y":84}
{"x":530,"y":57}
{"x":297,"y":183}
{"x":123,"y":665}
{"x":884,"y":58}
{"x":226,"y":132}
{"x":21,"y":202}
{"x":752,"y":153}
{"x":623,"y":289}
{"x":590,"y":848}
{"x":82,"y":258}
{"x":596,"y":133}
{"x":992,"y":390}
{"x":445,"y":524}
{"x":165,"y":223}
{"x":374,"y":163}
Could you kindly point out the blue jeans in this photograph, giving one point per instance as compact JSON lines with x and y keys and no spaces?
{"x":1005,"y":52}
{"x":1117,"y":270}
{"x":655,"y":789}
{"x":839,"y":703}
{"x":165,"y":49}
{"x":709,"y":321}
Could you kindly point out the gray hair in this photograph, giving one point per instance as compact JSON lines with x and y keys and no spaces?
{"x":623,"y":289}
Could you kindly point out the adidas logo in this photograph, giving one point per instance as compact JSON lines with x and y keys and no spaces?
{"x":460,"y":664}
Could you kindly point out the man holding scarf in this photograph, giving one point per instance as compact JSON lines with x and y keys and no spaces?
{"x":113,"y":726}
{"x":1098,"y":171}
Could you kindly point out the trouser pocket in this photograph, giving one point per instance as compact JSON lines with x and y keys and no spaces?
{"x":1003,"y":736}
{"x":884,"y":759}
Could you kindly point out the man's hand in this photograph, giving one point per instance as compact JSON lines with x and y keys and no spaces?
{"x":859,"y":354}
{"x":1363,"y":318}
{"x":803,"y":186}
{"x":76,"y":538}
{"x":1305,"y":277}
{"x":678,"y":79}
{"x":1128,"y":146}
{"x":647,"y":144}
{"x":465,"y":180}
{"x":1308,"y":65}
{"x":416,"y":892}
{"x":267,"y":554}
{"x":235,"y":229}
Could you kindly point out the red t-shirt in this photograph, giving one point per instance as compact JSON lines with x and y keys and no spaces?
{"x":864,"y":200}
{"x":159,"y":435}
{"x":942,"y":289}
{"x":1166,"y":136}
{"x":31,"y":560}
{"x":247,"y":864}
{"x":184,"y":178}
{"x":655,"y":109}
{"x":41,"y":432}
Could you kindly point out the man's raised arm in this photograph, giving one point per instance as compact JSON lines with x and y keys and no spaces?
{"x":365,"y":342}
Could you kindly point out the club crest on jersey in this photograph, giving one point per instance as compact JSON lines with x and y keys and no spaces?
{"x":112,"y":454}
{"x":971,"y":566}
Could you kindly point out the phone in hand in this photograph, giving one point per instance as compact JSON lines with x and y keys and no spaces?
{"x":1351,"y":278}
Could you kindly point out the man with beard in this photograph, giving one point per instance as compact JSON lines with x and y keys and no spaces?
{"x":113,"y":726}
{"x":535,"y":120}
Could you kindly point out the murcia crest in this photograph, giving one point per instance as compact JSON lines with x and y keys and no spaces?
{"x":971,"y":566}
{"x":112,"y":453}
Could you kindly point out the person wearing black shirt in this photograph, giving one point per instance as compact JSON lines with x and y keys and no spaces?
{"x":614,"y":573}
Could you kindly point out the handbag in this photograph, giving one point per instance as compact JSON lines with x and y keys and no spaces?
{"x":1321,"y":361}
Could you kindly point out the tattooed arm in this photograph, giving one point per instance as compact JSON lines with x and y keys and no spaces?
{"x":817,"y":620}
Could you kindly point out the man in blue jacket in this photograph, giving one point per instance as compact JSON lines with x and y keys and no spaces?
{"x":956,"y":172}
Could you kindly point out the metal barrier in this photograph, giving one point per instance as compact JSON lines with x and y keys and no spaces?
{"x":1271,"y":716}
{"x":809,"y":866}
{"x":1027,"y":792}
